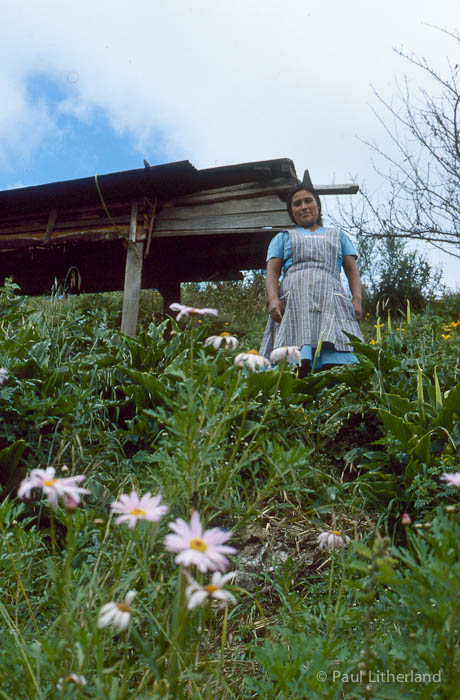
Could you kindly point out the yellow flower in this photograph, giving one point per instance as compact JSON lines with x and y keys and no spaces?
{"x":373,"y":342}
{"x":445,"y":336}
{"x":379,"y":325}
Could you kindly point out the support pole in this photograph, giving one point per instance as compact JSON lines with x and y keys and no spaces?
{"x":307,"y":179}
{"x":133,"y":276}
{"x":50,"y":225}
{"x":170,"y":291}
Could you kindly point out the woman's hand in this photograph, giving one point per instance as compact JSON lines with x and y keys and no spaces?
{"x":275,"y":309}
{"x":351,"y":270}
{"x":358,"y":308}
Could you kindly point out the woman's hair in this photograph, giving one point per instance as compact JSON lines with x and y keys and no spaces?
{"x":298,"y":188}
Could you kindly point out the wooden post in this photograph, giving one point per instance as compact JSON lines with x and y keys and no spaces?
{"x":133,"y":275}
{"x":170,"y":291}
{"x":50,"y":225}
{"x":307,"y":179}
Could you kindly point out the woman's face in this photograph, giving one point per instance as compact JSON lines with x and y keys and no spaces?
{"x":304,"y":209}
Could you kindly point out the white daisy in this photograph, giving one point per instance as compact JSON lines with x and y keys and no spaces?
{"x":289,"y":352}
{"x":204,"y":549}
{"x":75,"y":678}
{"x":333,"y":539}
{"x":117,"y":614}
{"x":225,"y":339}
{"x":251,"y":359}
{"x":197,"y":594}
{"x":132,"y":508}
{"x":191,"y":311}
{"x":52,"y":486}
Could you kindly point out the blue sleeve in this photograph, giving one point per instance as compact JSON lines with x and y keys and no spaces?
{"x":277,"y":247}
{"x":347,"y":245}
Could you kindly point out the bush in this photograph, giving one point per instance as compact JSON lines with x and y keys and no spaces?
{"x":393,"y":275}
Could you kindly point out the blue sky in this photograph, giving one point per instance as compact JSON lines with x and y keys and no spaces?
{"x":75,"y":147}
{"x":96,"y":87}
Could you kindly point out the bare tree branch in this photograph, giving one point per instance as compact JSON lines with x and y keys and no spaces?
{"x":422,"y":173}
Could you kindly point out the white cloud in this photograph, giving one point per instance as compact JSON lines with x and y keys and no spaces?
{"x":225,"y":81}
{"x":216,"y":81}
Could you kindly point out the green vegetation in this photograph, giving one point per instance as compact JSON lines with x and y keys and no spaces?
{"x":274,"y":459}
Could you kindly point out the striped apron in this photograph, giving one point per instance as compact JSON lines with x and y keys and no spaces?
{"x":313,"y":297}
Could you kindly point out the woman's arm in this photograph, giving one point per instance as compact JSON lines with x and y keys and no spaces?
{"x":275,"y":307}
{"x":354,"y":280}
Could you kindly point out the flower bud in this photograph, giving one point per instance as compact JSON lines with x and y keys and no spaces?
{"x":70,"y":503}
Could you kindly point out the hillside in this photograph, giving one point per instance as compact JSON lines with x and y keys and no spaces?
{"x":325,"y":495}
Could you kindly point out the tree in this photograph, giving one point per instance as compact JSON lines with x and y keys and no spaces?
{"x":423,"y":173}
{"x":393,"y":274}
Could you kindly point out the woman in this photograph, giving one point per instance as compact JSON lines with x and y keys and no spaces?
{"x":311,"y":303}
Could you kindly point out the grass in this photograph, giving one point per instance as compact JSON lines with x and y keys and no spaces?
{"x":269,"y":457}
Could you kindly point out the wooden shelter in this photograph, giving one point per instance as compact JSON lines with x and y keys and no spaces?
{"x":152,"y":227}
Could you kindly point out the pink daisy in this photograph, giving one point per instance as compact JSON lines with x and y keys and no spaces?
{"x":204,"y":549}
{"x":452,"y":479}
{"x":190,"y":311}
{"x":52,"y":486}
{"x":132,"y":508}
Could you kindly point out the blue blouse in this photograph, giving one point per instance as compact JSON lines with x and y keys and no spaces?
{"x":280,"y":246}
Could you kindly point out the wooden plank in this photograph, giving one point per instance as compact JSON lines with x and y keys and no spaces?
{"x":278,"y":187}
{"x":275,"y":186}
{"x":231,"y":221}
{"x":59,"y":238}
{"x":337,"y":189}
{"x":63,"y":225}
{"x":227,"y":232}
{"x":133,"y":276}
{"x":280,"y":182}
{"x":234,"y":192}
{"x":222,"y":208}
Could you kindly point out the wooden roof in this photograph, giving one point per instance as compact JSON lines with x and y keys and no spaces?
{"x":193,"y":224}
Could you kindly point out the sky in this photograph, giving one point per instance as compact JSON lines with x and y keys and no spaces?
{"x":97,"y":86}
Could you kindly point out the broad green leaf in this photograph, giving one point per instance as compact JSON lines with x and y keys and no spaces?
{"x":450,"y":409}
{"x":286,"y":385}
{"x":401,"y":429}
{"x":398,"y":405}
{"x":262,"y":381}
{"x":10,"y":456}
{"x":437,"y":388}
{"x":412,"y":469}
{"x":147,"y":381}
